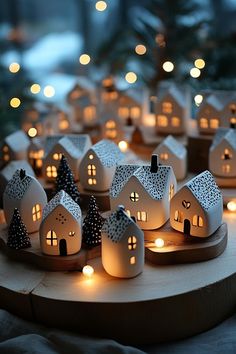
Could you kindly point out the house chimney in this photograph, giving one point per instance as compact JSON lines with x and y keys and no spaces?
{"x":133,"y":218}
{"x":22,"y":174}
{"x":154,"y":163}
{"x":232,"y":125}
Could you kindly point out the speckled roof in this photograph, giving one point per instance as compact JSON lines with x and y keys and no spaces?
{"x":17,"y":141}
{"x":108,"y":153}
{"x":205,"y":190}
{"x":79,"y":142}
{"x":224,"y":134}
{"x":62,"y":198}
{"x":17,"y":187}
{"x":173,"y":145}
{"x":8,"y":171}
{"x":116,"y":225}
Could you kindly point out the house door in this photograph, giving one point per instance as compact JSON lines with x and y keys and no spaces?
{"x":187,"y":227}
{"x":63,"y":247}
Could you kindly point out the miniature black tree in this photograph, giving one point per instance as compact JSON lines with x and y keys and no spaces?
{"x":92,"y":224}
{"x":65,"y":180}
{"x":17,"y":233}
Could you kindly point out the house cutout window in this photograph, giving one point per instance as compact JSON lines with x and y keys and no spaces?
{"x":164,"y":156}
{"x":132,"y":243}
{"x":214,"y":123}
{"x":134,"y":197}
{"x":203,"y":123}
{"x":167,"y":107}
{"x":111,"y":129}
{"x":142,"y":216}
{"x":233,"y":120}
{"x":128,"y":212}
{"x":226,"y":168}
{"x":178,"y":216}
{"x":63,"y":124}
{"x":36,"y":212}
{"x":92,"y":181}
{"x":175,"y":121}
{"x":57,"y":156}
{"x":171,"y":191}
{"x":91,"y":170}
{"x":197,"y":221}
{"x":71,"y":233}
{"x":90,"y":157}
{"x":135,"y":112}
{"x":51,"y":238}
{"x":6,"y":156}
{"x":123,"y":112}
{"x":51,"y":171}
{"x":227,"y":155}
{"x":132,"y":260}
{"x":89,"y":113}
{"x":162,"y":121}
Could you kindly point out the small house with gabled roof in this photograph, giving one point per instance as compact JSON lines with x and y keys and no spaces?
{"x":98,"y":165}
{"x":60,"y":230}
{"x":174,"y":153}
{"x":26,"y":194}
{"x":122,"y":245}
{"x":35,"y":154}
{"x":172,"y":111}
{"x":130,"y":107}
{"x":73,"y":147}
{"x":197,"y":208}
{"x":145,"y":191}
{"x":222,"y":155}
{"x":209,"y":115}
{"x":15,"y":147}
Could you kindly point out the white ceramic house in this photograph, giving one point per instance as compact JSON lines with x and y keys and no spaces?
{"x":122,"y":245}
{"x":111,"y":126}
{"x":98,"y":165}
{"x":73,"y":147}
{"x":15,"y":146}
{"x":85,"y":110}
{"x":174,"y":153}
{"x":172,"y":111}
{"x":209,"y":115}
{"x":130,"y":107}
{"x":229,"y":110}
{"x":222,"y":156}
{"x":25,"y":193}
{"x":35,"y":154}
{"x":145,"y":191}
{"x":60,"y":230}
{"x":197,"y":208}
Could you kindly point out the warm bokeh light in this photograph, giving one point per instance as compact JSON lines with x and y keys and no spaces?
{"x":159,"y":242}
{"x":88,"y":271}
{"x":199,"y":63}
{"x":101,"y":5}
{"x":168,"y":66}
{"x":35,"y":88}
{"x":49,"y":91}
{"x":32,"y":132}
{"x":231,"y":206}
{"x":140,"y":49}
{"x":195,"y":73}
{"x":15,"y":102}
{"x":123,"y":146}
{"x":14,"y":67}
{"x":198,"y":99}
{"x":84,"y":59}
{"x":131,"y":77}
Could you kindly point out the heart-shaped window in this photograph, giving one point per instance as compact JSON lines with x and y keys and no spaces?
{"x":186,"y":204}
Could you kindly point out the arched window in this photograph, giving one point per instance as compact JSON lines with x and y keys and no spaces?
{"x":51,"y":238}
{"x":51,"y":171}
{"x":175,"y":121}
{"x":214,"y":123}
{"x":171,"y":191}
{"x":162,"y":120}
{"x":197,"y":221}
{"x":91,"y":170}
{"x":132,"y":243}
{"x":142,"y":216}
{"x":6,"y":156}
{"x":111,"y":131}
{"x":203,"y":123}
{"x":167,"y":107}
{"x":227,"y":155}
{"x":36,"y":212}
{"x":134,"y":197}
{"x":135,"y":112}
{"x":57,"y":156}
{"x":226,"y":168}
{"x":123,"y":112}
{"x":132,"y":260}
{"x":92,"y":181}
{"x":178,"y":216}
{"x":164,"y":156}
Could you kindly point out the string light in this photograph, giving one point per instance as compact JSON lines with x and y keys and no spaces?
{"x":84,"y":59}
{"x":168,"y":66}
{"x":35,"y":88}
{"x":14,"y":67}
{"x":199,"y":63}
{"x":140,"y":49}
{"x":231,"y":206}
{"x":101,"y":5}
{"x":159,"y":242}
{"x":198,"y":99}
{"x":32,"y":132}
{"x":15,"y":102}
{"x":88,"y":271}
{"x":131,"y":77}
{"x":49,"y":91}
{"x":195,"y":73}
{"x":123,"y":146}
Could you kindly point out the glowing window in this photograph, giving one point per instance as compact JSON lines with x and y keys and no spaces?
{"x":123,"y":112}
{"x":36,"y":154}
{"x":36,"y":212}
{"x":233,"y":120}
{"x":132,"y":243}
{"x":91,"y":170}
{"x":6,"y":157}
{"x":57,"y":156}
{"x":197,"y":221}
{"x":90,"y":157}
{"x":51,"y":238}
{"x":89,"y":113}
{"x":203,"y":123}
{"x":134,"y":196}
{"x":178,"y":216}
{"x":214,"y":123}
{"x":128,"y":212}
{"x":227,"y":155}
{"x":164,"y":156}
{"x":92,"y":181}
{"x":63,"y":124}
{"x":132,"y":260}
{"x":135,"y":112}
{"x":5,"y":148}
{"x":110,"y":124}
{"x":39,"y":163}
{"x":175,"y":121}
{"x":162,"y":121}
{"x":71,"y":233}
{"x":167,"y":107}
{"x":142,"y":216}
{"x":51,"y":171}
{"x":226,"y":168}
{"x":171,"y":191}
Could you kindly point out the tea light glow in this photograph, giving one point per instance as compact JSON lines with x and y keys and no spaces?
{"x":159,"y":242}
{"x":88,"y":271}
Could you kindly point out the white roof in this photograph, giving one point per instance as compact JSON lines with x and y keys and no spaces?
{"x":70,"y":142}
{"x":177,"y":94}
{"x":116,"y":225}
{"x":17,"y":141}
{"x":108,"y":152}
{"x":224,"y":134}
{"x":205,"y":190}
{"x":214,"y":102}
{"x":63,"y":199}
{"x":153,"y":183}
{"x":17,"y":187}
{"x":173,"y":145}
{"x":8,"y":171}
